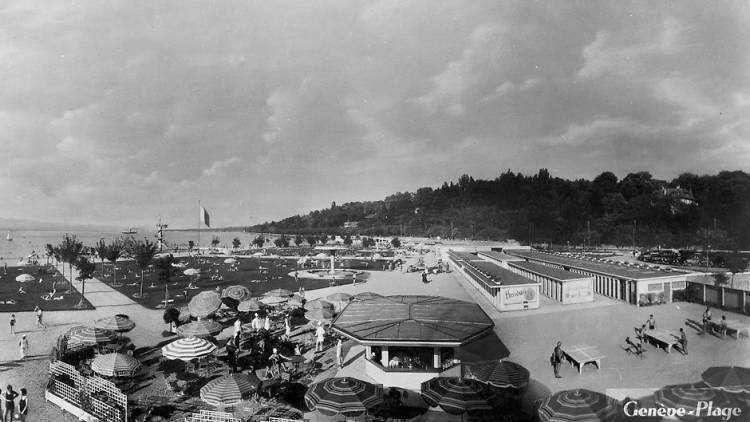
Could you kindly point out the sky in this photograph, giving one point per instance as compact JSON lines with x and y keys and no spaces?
{"x":122,"y":112}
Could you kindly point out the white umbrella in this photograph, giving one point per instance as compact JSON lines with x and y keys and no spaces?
{"x":230,"y":261}
{"x":188,"y":349}
{"x":23,"y":278}
{"x":191,"y":271}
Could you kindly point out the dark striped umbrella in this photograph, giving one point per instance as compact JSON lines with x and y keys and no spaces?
{"x":91,"y":335}
{"x":498,"y":373}
{"x":321,"y":314}
{"x":115,"y":365}
{"x":236,"y":292}
{"x":458,"y":395}
{"x":577,"y":406}
{"x":229,"y":389}
{"x":345,"y":395}
{"x":204,"y":304}
{"x":734,"y":379}
{"x":202,"y":328}
{"x":188,"y":349}
{"x":116,"y":323}
{"x":687,"y":396}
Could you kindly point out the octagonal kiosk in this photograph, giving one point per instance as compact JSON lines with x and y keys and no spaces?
{"x":410,"y":339}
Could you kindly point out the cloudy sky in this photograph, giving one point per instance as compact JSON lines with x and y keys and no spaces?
{"x":122,"y":111}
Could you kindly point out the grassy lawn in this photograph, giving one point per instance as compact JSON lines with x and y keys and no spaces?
{"x":258,"y":275}
{"x":11,"y":300}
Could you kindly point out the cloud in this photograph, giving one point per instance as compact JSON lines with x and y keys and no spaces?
{"x":219,"y":166}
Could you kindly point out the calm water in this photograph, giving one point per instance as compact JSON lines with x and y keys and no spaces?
{"x":26,"y":241}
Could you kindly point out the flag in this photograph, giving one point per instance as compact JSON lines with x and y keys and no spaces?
{"x":205,"y":218}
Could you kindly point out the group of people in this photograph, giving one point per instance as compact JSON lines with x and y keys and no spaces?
{"x":8,"y":399}
{"x":23,"y":342}
{"x":708,"y":325}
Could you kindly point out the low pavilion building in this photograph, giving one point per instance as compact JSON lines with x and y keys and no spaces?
{"x":410,"y":339}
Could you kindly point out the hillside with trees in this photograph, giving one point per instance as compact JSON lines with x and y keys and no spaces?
{"x":688,"y":211}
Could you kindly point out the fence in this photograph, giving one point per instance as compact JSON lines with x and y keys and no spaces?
{"x":210,"y":416}
{"x":93,"y":395}
{"x":727,"y":298}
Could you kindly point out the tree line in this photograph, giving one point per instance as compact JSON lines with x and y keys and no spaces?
{"x":689,"y":211}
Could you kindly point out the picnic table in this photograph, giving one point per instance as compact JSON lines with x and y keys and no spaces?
{"x":733,"y":325}
{"x":582,"y":354}
{"x":668,"y":338}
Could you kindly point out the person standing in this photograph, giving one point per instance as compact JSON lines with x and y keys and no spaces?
{"x":39,"y":315}
{"x":707,"y":320}
{"x":320,"y":335}
{"x":23,"y":406}
{"x":237,"y":326}
{"x":340,"y":354}
{"x":651,"y":322}
{"x":9,"y":407}
{"x":23,"y":347}
{"x":683,"y":341}
{"x":231,"y":355}
{"x":287,"y":328}
{"x":12,"y":323}
{"x":557,"y":358}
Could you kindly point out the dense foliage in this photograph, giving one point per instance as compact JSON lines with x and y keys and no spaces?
{"x":708,"y":209}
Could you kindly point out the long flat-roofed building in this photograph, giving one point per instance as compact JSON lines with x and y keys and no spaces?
{"x":631,"y":283}
{"x":563,"y":286}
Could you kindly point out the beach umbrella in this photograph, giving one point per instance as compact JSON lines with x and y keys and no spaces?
{"x":250,"y":305}
{"x":687,"y":396}
{"x":115,"y":365}
{"x":577,"y":406}
{"x":258,"y":254}
{"x":230,"y":261}
{"x":236,"y":292}
{"x":498,"y":373}
{"x":733,"y":379}
{"x":229,"y":389}
{"x":366,"y":296}
{"x":321,"y":314}
{"x":339,"y":297}
{"x":344,"y":395}
{"x":318,"y":304}
{"x":295,"y":301}
{"x":188,"y":349}
{"x":204,"y":304}
{"x":116,"y":323}
{"x":191,"y":271}
{"x":202,"y":328}
{"x":273,"y":300}
{"x":91,"y":335}
{"x":278,"y":293}
{"x":179,"y":264}
{"x":458,"y":395}
{"x":25,"y":278}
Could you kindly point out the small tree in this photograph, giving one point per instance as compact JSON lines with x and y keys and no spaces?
{"x":298,"y":240}
{"x":70,"y":250}
{"x":282,"y":242}
{"x":85,"y":272}
{"x":395,"y":242}
{"x":49,"y":250}
{"x":259,"y":241}
{"x":324,"y":239}
{"x":215,"y":241}
{"x":164,"y":272}
{"x":101,"y":251}
{"x":191,"y":245}
{"x":143,"y":253}
{"x":312,"y":240}
{"x":112,"y":253}
{"x":172,"y":317}
{"x":236,"y":243}
{"x":720,"y":279}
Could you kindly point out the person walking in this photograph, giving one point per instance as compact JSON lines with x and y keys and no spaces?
{"x":557,"y":358}
{"x":339,"y":354}
{"x":23,"y":347}
{"x":23,"y":406}
{"x":683,"y":342}
{"x":39,"y":315}
{"x":12,"y":323}
{"x":9,"y":407}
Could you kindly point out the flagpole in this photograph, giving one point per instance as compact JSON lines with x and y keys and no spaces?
{"x":199,"y":226}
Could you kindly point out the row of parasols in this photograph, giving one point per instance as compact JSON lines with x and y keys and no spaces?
{"x":102,"y":332}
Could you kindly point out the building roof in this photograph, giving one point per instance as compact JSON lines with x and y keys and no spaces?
{"x":412,"y":320}
{"x":545,"y":270}
{"x":466,"y":256}
{"x":614,"y":270}
{"x":500,"y":256}
{"x":499,"y":275}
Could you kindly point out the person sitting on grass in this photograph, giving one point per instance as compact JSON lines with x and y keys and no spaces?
{"x":21,"y":291}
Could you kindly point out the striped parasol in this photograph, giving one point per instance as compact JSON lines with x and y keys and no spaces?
{"x":278,"y":292}
{"x":116,"y":323}
{"x":236,"y":292}
{"x":295,"y":301}
{"x":273,"y":300}
{"x":188,"y":349}
{"x":578,"y":406}
{"x":687,"y":396}
{"x":498,"y":373}
{"x":339,"y":297}
{"x":366,"y":296}
{"x":204,"y":304}
{"x":91,"y":335}
{"x":345,"y":395}
{"x":457,"y":396}
{"x":202,"y":328}
{"x":115,"y":365}
{"x":733,"y":379}
{"x":321,"y":314}
{"x":250,"y":305}
{"x":318,"y":304}
{"x":229,"y":389}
